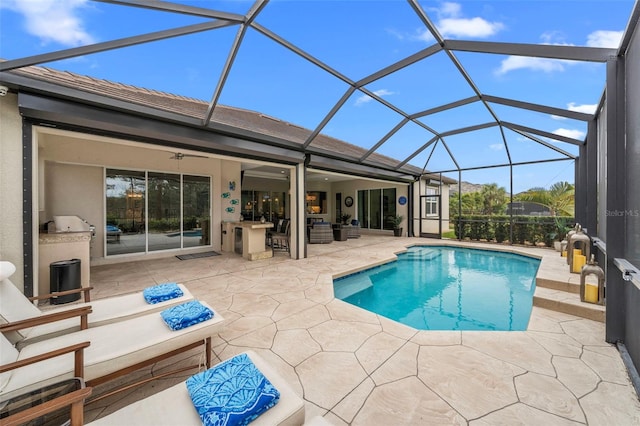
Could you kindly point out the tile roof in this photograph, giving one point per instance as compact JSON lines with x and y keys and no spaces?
{"x":196,"y":108}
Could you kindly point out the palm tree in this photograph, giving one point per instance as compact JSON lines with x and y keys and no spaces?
{"x":560,"y":198}
{"x":494,"y":199}
{"x":471,"y":203}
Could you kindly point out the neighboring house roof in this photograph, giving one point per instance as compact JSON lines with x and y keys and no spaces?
{"x":196,"y":108}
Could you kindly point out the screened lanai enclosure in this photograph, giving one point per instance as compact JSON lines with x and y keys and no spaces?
{"x":419,"y":93}
{"x":520,"y":94}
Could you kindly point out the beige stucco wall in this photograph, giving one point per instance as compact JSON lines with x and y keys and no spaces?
{"x":76,"y":190}
{"x":430,"y":226}
{"x":230,"y":184}
{"x":74,"y":177}
{"x":11,"y":185}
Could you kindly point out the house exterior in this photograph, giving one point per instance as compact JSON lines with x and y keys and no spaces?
{"x":113,"y":155}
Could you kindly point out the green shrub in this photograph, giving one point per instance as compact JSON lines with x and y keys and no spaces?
{"x":526,"y":229}
{"x":501,"y":231}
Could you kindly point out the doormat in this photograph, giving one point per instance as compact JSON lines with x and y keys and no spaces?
{"x":198,"y":255}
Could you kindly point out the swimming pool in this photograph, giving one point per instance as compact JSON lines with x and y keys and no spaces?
{"x":447,"y":288}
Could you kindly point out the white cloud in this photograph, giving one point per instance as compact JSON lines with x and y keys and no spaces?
{"x":366,"y":98}
{"x":52,"y":20}
{"x":462,"y":27}
{"x":449,"y":9}
{"x":570,"y":133}
{"x":553,"y":37}
{"x":496,"y":146}
{"x":572,"y":106}
{"x":610,"y":39}
{"x":586,"y":108}
{"x":525,"y":62}
{"x":451,"y":23}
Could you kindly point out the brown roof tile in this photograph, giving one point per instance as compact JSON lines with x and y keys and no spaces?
{"x":197,"y":108}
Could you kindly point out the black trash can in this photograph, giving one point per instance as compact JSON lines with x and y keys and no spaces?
{"x":65,"y":275}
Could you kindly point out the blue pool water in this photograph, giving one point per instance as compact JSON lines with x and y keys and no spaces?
{"x":447,"y":288}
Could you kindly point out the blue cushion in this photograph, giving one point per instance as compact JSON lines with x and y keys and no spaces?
{"x":234,"y":392}
{"x":161,"y":292}
{"x":186,"y":314}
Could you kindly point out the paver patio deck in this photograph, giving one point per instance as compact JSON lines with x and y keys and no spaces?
{"x":355,"y":367}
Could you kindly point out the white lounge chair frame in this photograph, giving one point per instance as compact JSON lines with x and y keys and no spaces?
{"x":173,"y":406}
{"x":116,"y":350}
{"x":16,"y":307}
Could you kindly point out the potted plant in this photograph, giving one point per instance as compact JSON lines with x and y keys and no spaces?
{"x":560,"y":233}
{"x":345,"y":218}
{"x":396,"y":221}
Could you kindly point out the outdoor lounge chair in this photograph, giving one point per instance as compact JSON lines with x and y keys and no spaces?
{"x":173,"y":406}
{"x":15,"y":306}
{"x":114,"y":350}
{"x":321,"y":233}
{"x":353,"y":231}
{"x":59,"y":403}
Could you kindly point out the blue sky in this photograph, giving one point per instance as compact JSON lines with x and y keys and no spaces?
{"x":355,"y":38}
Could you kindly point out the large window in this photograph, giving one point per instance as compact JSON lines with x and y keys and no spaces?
{"x":316,"y":202}
{"x":376,"y":207}
{"x":151,"y":211}
{"x":430,"y":208}
{"x":256,"y":204}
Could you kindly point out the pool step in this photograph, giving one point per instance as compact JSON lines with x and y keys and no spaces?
{"x":355,"y":284}
{"x":559,"y":290}
{"x":422,"y":254}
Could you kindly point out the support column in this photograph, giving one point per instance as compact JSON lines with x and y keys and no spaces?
{"x":28,"y":213}
{"x":616,"y":198}
{"x":591,"y":172}
{"x":581,"y":186}
{"x":298,"y":193}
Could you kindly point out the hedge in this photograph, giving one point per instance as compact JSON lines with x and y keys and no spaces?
{"x":526,"y":229}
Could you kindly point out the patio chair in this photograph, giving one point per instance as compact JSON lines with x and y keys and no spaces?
{"x":115,"y":350}
{"x":173,"y":406}
{"x":353,"y":231}
{"x":15,"y":307}
{"x":321,"y":233}
{"x":280,"y":240}
{"x":59,"y":403}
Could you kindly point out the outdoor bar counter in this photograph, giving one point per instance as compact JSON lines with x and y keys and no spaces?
{"x":253,"y":239}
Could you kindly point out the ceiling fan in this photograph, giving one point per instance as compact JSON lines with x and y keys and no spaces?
{"x":180,"y":156}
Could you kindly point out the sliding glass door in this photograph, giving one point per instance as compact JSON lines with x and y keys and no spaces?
{"x":375,"y":207}
{"x":164,"y":211}
{"x":125,"y":230}
{"x":196,"y":229}
{"x":152,"y":211}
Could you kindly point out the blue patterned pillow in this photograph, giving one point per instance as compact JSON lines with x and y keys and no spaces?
{"x":234,"y":392}
{"x":186,"y":314}
{"x":161,"y":292}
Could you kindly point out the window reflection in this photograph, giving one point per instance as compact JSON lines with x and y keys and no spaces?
{"x":164,"y":211}
{"x":196,"y":229}
{"x":125,"y":227}
{"x":178,"y":212}
{"x":316,"y":202}
{"x":376,"y":207}
{"x":268,"y":204}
